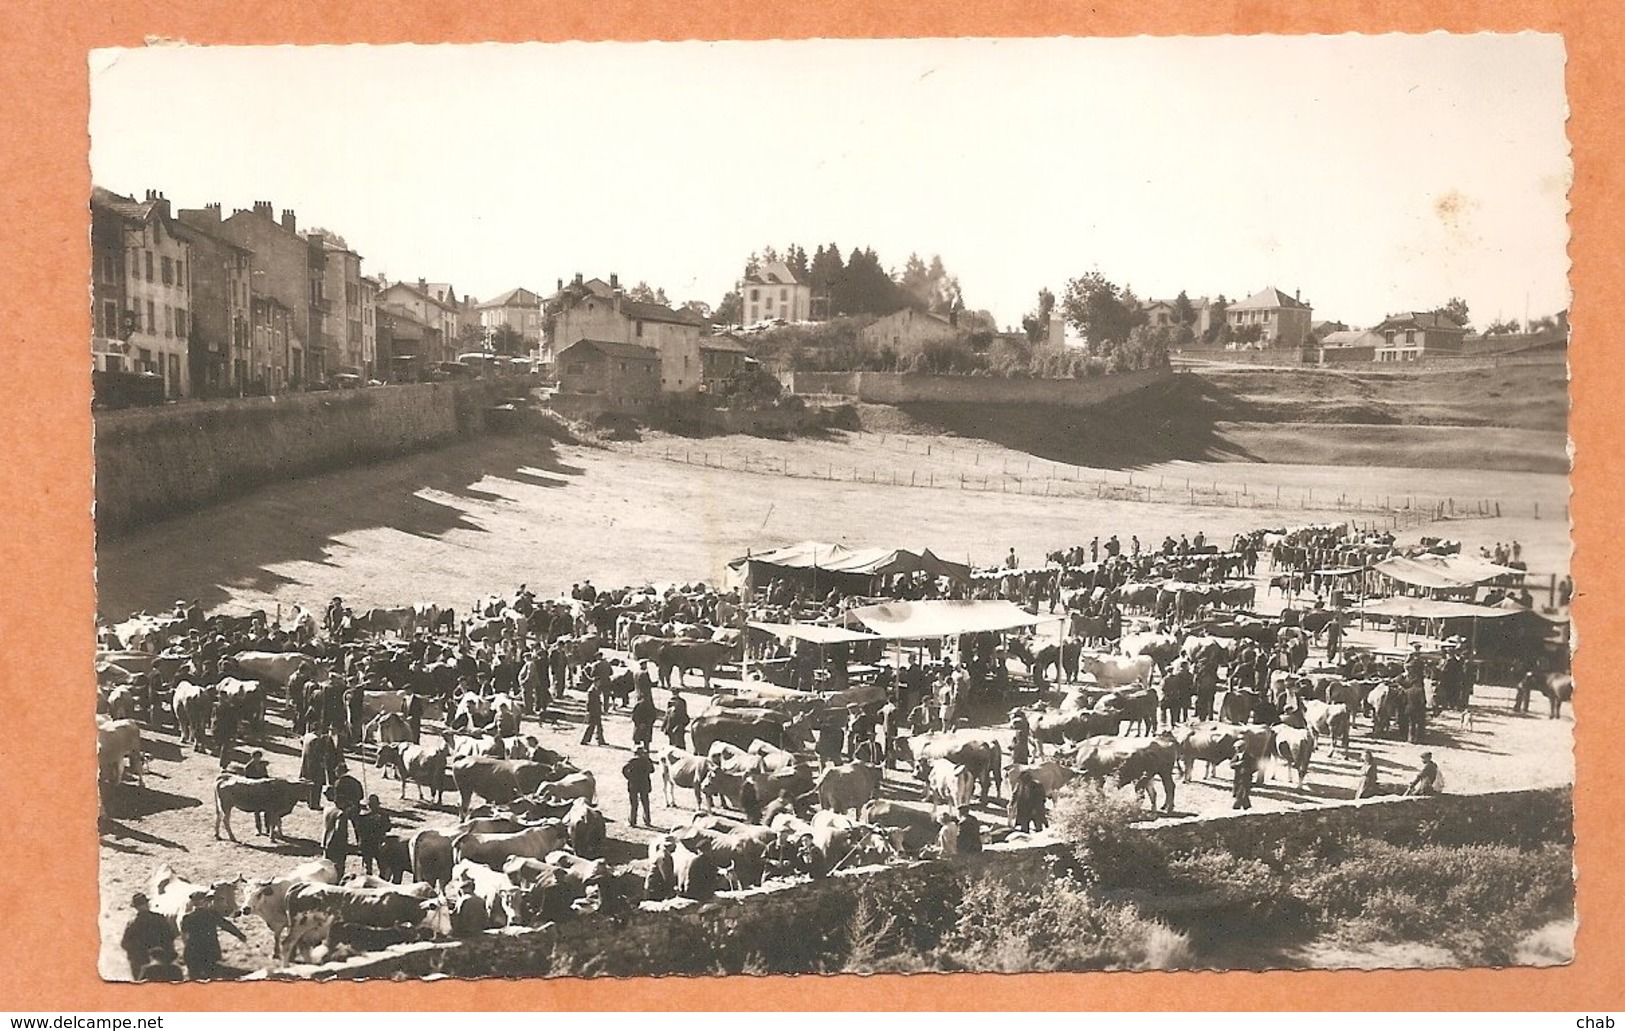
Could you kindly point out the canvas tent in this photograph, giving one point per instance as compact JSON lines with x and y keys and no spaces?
{"x":924,"y":620}
{"x":813,"y":633}
{"x":1443,"y":572}
{"x":837,"y":563}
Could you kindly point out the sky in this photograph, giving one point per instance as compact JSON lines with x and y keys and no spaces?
{"x":1369,"y":174}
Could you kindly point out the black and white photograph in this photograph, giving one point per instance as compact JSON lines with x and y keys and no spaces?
{"x":831,"y":506}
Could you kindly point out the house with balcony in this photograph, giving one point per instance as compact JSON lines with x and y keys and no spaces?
{"x":1282,"y":320}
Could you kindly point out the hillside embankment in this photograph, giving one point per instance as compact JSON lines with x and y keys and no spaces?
{"x":1510,"y":418}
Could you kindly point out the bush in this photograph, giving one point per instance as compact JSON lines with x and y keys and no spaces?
{"x":1057,"y":926}
{"x":1476,"y":900}
{"x":1108,"y":851}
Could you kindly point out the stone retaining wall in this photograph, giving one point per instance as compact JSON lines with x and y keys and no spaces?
{"x":797,"y":919}
{"x":153,"y":462}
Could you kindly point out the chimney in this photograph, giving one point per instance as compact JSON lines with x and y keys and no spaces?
{"x":423,"y":285}
{"x":262,"y":207}
{"x":614,"y":281}
{"x":288,"y":221}
{"x":160,"y":204}
{"x":578,"y":279}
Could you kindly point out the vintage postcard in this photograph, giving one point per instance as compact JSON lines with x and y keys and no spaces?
{"x":832,"y":506}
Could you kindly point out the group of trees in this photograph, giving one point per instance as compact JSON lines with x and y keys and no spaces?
{"x":859,"y":284}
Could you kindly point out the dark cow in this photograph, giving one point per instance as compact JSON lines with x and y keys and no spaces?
{"x":1138,"y":707}
{"x":273,"y":797}
{"x":1214,"y":743}
{"x":495,"y":780}
{"x":1137,"y":761}
{"x":910,"y":830}
{"x":683,"y":656}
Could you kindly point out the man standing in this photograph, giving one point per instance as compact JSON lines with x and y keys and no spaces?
{"x":200,"y":931}
{"x":639,"y":773}
{"x":676,"y":721}
{"x":530,"y":678}
{"x":644,"y":715}
{"x":1528,"y":684}
{"x":595,"y":713}
{"x":335,"y":838}
{"x":371,"y":826}
{"x":1242,"y":768}
{"x":1334,"y":638}
{"x":145,"y":932}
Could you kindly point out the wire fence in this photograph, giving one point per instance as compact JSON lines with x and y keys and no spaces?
{"x":935,"y":466}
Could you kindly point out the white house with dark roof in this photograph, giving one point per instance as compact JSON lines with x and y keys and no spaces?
{"x":520,"y":310}
{"x":1283,"y":320}
{"x":774,"y":292}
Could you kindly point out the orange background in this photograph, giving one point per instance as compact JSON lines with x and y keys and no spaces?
{"x":48,"y":874}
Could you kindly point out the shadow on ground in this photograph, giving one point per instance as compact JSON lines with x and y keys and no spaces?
{"x":298,"y":520}
{"x":1171,"y":421}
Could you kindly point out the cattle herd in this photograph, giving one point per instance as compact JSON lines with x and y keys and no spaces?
{"x":1161,"y":666}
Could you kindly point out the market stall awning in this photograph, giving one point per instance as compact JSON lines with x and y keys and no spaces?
{"x":1344,"y":571}
{"x":1442,"y":572}
{"x":838,"y":558}
{"x":922,"y":620}
{"x":1428,"y":608}
{"x":814,"y":633}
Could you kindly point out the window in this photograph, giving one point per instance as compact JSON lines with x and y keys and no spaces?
{"x":623,"y":366}
{"x":174,"y":374}
{"x":1389,"y":337}
{"x":180,"y":273}
{"x":110,"y":327}
{"x":784,"y":293}
{"x":152,"y":318}
{"x":1410,"y":336}
{"x":755,"y":294}
{"x":168,"y":272}
{"x":180,"y":323}
{"x":109,"y":269}
{"x":149,"y":265}
{"x":640,"y":331}
{"x":169,"y":321}
{"x":135,"y":264}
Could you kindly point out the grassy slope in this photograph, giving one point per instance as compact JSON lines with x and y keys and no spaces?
{"x":1510,"y":418}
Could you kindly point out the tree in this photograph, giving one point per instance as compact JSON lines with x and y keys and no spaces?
{"x":824,"y":274}
{"x":1500,"y":328}
{"x":508,"y":341}
{"x":643,"y":292}
{"x":731,"y":311}
{"x":1184,"y":310}
{"x":1036,"y":322}
{"x":1095,"y":307}
{"x":1455,"y":310}
{"x":1218,"y":327}
{"x":699,"y":308}
{"x":796,"y":259}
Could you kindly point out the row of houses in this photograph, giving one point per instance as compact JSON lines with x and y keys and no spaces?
{"x":1411,"y":336}
{"x":247,"y":303}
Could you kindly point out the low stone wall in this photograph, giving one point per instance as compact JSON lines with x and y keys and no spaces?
{"x":797,"y":920}
{"x":153,"y":462}
{"x":897,"y":388}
